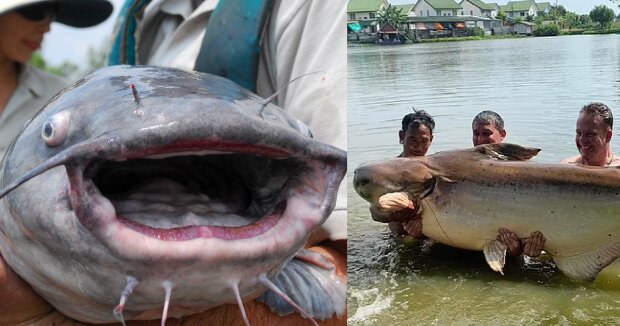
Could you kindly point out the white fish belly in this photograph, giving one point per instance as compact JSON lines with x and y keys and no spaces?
{"x":573,"y":219}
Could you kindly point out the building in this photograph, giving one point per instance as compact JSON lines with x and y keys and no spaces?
{"x":407,"y":9}
{"x":478,"y":8}
{"x":362,"y":14}
{"x":429,"y":8}
{"x":516,"y":9}
{"x":524,"y":28}
{"x":544,"y":8}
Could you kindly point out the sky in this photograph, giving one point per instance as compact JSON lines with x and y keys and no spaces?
{"x":67,"y":43}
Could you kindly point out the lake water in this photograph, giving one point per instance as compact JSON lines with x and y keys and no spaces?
{"x":538,"y":86}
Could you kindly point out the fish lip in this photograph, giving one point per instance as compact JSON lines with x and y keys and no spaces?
{"x":107,"y":224}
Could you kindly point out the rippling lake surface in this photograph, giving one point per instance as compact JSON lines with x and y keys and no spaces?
{"x":538,"y":86}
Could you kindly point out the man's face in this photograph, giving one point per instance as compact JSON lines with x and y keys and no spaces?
{"x":486,"y":133}
{"x":591,"y":138}
{"x":416,"y":140}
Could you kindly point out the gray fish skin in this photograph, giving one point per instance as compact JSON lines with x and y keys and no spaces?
{"x":467,"y":195}
{"x":63,"y":237}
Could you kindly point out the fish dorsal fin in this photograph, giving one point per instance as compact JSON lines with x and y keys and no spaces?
{"x":507,"y":152}
{"x":309,"y":280}
{"x":586,"y":266}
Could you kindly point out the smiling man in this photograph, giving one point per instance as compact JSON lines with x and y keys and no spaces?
{"x":593,"y":137}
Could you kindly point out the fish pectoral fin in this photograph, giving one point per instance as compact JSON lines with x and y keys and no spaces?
{"x":495,"y":254}
{"x":312,"y":283}
{"x":508,"y":152}
{"x":586,"y":266}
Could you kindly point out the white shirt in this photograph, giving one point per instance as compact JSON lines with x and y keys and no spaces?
{"x":303,"y":36}
{"x":34,"y":89}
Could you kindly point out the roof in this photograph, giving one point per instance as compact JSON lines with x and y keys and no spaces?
{"x":388,"y":29}
{"x":364,"y":5}
{"x":406,"y":7}
{"x":443,"y":4}
{"x":542,"y":6}
{"x":518,"y":5}
{"x":526,"y":23}
{"x":446,"y":19}
{"x":481,"y":5}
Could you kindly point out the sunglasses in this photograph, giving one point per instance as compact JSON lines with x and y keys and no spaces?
{"x":37,"y":12}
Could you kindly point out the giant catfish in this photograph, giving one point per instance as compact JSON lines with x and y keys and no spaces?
{"x":466,"y":196}
{"x":139,"y":187}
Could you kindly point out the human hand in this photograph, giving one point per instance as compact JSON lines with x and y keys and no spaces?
{"x":20,"y":304}
{"x":534,"y":244}
{"x":511,"y":241}
{"x":414,"y":228}
{"x":395,"y":201}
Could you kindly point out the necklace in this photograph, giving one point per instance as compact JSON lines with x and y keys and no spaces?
{"x":611,"y":159}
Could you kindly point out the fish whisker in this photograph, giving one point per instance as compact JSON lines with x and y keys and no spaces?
{"x":168,"y":287}
{"x":235,"y":287}
{"x":118,"y":310}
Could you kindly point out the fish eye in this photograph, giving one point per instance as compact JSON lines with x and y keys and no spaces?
{"x":54,"y":129}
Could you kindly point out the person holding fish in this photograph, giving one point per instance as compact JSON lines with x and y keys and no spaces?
{"x":488,"y":128}
{"x":398,"y":210}
{"x":23,"y":25}
{"x":593,"y":137}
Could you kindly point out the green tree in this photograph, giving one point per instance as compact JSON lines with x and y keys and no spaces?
{"x":66,"y":69}
{"x":603,"y":15}
{"x":391,"y":15}
{"x":585,"y":20}
{"x":557,"y":11}
{"x":501,"y":15}
{"x":571,"y":20}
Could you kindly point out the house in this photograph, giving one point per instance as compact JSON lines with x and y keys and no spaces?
{"x":406,"y":9}
{"x":516,"y":9}
{"x":364,"y":9}
{"x":478,"y":8}
{"x":449,"y":26}
{"x":524,"y":28}
{"x":427,"y":8}
{"x":362,"y":14}
{"x":544,"y":8}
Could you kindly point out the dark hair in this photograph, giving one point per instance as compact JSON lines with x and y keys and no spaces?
{"x":490,"y":117}
{"x":418,"y":118}
{"x":598,"y":109}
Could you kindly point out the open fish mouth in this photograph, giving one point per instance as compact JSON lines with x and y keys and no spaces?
{"x":188,"y":195}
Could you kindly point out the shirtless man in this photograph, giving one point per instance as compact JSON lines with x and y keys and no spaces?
{"x":397,"y":209}
{"x":593,"y":137}
{"x":488,"y":128}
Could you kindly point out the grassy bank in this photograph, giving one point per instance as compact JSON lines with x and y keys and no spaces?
{"x":590,"y":31}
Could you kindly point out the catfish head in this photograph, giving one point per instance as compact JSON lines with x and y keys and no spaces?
{"x":411,"y":175}
{"x":140,"y":181}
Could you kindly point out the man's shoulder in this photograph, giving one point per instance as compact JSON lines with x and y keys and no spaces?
{"x":572,"y":160}
{"x":615,"y":161}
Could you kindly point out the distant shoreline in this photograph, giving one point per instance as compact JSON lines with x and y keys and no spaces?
{"x":499,"y":37}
